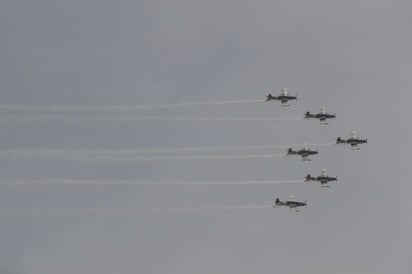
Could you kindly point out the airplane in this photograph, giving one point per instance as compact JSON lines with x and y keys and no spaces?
{"x":323,"y":179}
{"x":304,"y":152}
{"x":322,"y":116}
{"x":284,"y":97}
{"x":291,"y":203}
{"x":354,"y":141}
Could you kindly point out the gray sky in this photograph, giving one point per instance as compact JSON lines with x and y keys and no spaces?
{"x":351,"y":56}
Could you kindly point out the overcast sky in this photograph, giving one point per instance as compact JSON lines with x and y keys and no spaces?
{"x":351,"y":56}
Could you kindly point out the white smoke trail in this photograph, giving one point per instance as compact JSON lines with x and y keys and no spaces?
{"x":212,"y":157}
{"x":10,"y":154}
{"x":216,"y":119}
{"x":134,"y":118}
{"x":57,"y":182}
{"x":321,"y":144}
{"x":116,"y":108}
{"x":86,"y":157}
{"x":120,"y":211}
{"x":206,"y":149}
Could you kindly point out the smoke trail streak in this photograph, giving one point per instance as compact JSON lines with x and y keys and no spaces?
{"x":57,"y":182}
{"x":134,"y":118}
{"x":116,"y":108}
{"x":322,"y":144}
{"x":130,"y":153}
{"x":134,"y":152}
{"x":218,"y":119}
{"x":76,"y":156}
{"x":194,"y":149}
{"x":120,"y":211}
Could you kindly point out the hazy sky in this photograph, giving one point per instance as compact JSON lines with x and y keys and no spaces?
{"x":351,"y":56}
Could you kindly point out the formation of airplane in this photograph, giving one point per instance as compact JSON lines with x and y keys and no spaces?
{"x":284,"y":97}
{"x":323,"y":178}
{"x":304,"y":152}
{"x":354,"y":141}
{"x":291,"y":203}
{"x":322,"y":116}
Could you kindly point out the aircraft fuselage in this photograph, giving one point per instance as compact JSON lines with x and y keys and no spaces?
{"x":325,"y":179}
{"x":320,"y":116}
{"x":302,"y":152}
{"x":321,"y":179}
{"x":291,"y":204}
{"x":282,"y":98}
{"x":356,"y":141}
{"x":352,"y":141}
{"x":307,"y":152}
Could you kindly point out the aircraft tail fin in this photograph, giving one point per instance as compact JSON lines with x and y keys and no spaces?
{"x":276,"y":202}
